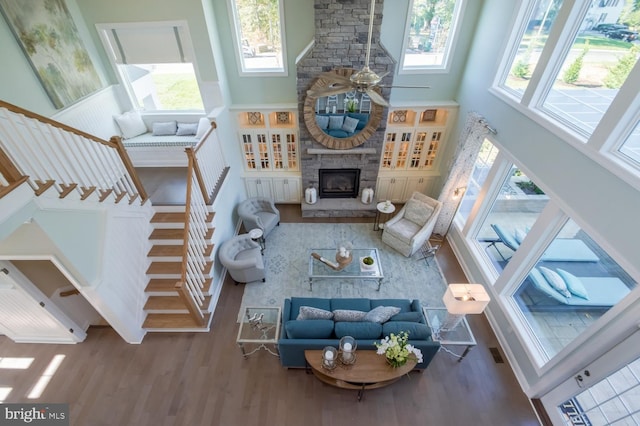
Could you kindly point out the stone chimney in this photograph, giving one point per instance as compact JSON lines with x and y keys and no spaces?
{"x":340,"y":42}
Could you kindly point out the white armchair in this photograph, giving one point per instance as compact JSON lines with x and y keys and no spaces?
{"x":413,"y":225}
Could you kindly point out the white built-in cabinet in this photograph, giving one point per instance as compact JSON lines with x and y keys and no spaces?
{"x":414,"y":138}
{"x":269,"y":145}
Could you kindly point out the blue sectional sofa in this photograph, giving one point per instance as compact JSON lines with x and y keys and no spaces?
{"x":342,"y":125}
{"x":296,"y":335}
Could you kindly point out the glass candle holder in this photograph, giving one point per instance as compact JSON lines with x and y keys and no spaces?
{"x":329,"y":357}
{"x":348,"y":347}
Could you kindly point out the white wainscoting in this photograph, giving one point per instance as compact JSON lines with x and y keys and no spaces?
{"x":94,"y":114}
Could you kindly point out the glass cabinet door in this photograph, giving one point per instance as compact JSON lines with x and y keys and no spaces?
{"x":248,"y":151}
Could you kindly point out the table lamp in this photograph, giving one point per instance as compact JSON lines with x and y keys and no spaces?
{"x":462,"y":299}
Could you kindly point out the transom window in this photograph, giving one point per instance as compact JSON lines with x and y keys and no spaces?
{"x":429,"y":35}
{"x":259,"y":36}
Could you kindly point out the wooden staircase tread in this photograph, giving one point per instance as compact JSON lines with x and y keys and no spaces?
{"x":165,"y":250}
{"x":169,"y":303}
{"x":174,"y":234}
{"x":173,"y":268}
{"x":168,"y":284}
{"x":167,"y":234}
{"x":170,"y":321}
{"x":168,"y":217}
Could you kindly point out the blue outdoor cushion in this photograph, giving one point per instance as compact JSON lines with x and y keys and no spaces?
{"x":336,"y":122}
{"x":403,"y":304}
{"x":323,"y":121}
{"x":350,"y":124}
{"x":362,"y":119}
{"x":407,"y":316}
{"x":355,"y":304}
{"x":574,"y":284}
{"x":337,"y":133}
{"x":358,"y":330}
{"x":541,"y":283}
{"x":507,"y":237}
{"x":309,"y":329}
{"x":416,"y":330}
{"x":314,"y":302}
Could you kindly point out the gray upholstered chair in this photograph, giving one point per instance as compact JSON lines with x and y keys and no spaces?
{"x":260,"y":213}
{"x":243,"y":259}
{"x":412,"y":226}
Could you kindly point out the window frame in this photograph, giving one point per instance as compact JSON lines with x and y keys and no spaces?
{"x":236,"y":34}
{"x":602,"y":144}
{"x":457,"y":17}
{"x":187,"y":46}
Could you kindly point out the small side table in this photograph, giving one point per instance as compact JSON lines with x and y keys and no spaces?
{"x":461,"y":335}
{"x":260,"y":326}
{"x":382,"y":208}
{"x":257,"y":235}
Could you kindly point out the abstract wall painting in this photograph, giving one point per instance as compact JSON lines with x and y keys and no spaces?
{"x":50,"y":40}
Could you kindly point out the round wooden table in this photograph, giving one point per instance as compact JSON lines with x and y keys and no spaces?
{"x":370,"y":371}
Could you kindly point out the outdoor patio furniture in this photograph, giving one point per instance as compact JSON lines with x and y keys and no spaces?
{"x":560,"y":249}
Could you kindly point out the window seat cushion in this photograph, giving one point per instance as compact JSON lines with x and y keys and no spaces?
{"x":149,"y":140}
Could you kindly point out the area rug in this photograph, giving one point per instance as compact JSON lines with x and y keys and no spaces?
{"x":287,"y":252}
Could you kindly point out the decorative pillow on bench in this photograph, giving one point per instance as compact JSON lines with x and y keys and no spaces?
{"x":165,"y":128}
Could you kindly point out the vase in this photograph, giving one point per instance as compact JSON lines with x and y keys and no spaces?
{"x":396,"y":363}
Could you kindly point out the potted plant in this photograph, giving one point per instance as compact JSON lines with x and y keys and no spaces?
{"x":367,"y":262}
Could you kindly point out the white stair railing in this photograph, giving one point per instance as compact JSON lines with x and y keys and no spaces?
{"x":194,"y":261}
{"x":209,"y":163}
{"x":54,"y":155}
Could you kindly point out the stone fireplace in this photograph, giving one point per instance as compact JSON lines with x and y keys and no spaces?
{"x":340,"y":42}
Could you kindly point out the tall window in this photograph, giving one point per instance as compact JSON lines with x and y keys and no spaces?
{"x":572,"y":74}
{"x":532,"y":41}
{"x":154,"y":62}
{"x":484,"y":162}
{"x":515,"y":209}
{"x":593,"y":71}
{"x":259,"y":36}
{"x":431,"y":28}
{"x":573,"y":284}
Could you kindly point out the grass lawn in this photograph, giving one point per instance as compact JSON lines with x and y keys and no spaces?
{"x":178,"y":91}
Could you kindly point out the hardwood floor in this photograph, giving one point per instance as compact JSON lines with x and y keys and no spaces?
{"x":202,"y":379}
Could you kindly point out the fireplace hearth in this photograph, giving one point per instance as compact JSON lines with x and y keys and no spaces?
{"x":339,"y":183}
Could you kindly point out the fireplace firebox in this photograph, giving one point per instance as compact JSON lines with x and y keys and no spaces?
{"x":339,"y":183}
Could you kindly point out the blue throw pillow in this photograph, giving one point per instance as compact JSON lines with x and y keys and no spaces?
{"x":323,"y":121}
{"x":416,"y":330}
{"x":574,"y":284}
{"x":350,"y":124}
{"x":336,"y":122}
{"x":309,"y":329}
{"x":358,"y":330}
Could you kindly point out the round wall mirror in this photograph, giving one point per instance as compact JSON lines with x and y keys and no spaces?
{"x":347,"y":129}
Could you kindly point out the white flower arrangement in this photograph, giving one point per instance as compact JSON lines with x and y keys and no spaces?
{"x":397,"y":351}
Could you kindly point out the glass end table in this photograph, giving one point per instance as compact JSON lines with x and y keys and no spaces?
{"x":460,"y":335}
{"x":260,"y":326}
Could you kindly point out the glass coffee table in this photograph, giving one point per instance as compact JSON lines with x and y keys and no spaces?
{"x":261,"y":327}
{"x":354,"y":270}
{"x":460,"y":335}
